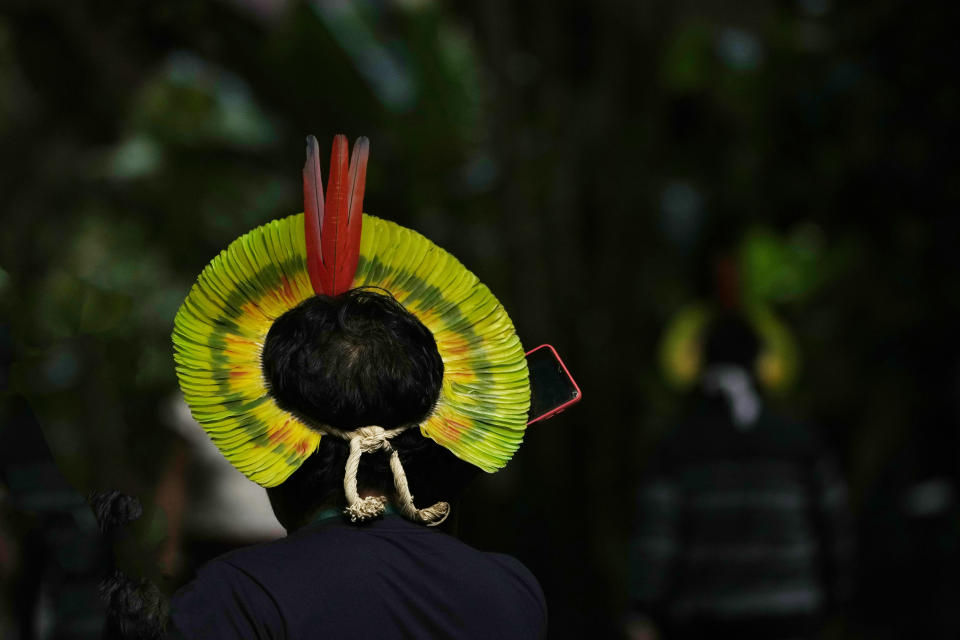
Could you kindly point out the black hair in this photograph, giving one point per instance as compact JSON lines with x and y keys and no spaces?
{"x":351,"y":361}
{"x":731,"y":339}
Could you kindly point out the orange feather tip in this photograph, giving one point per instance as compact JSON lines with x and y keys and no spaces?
{"x":333,"y":224}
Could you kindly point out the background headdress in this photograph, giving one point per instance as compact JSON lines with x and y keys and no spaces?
{"x":682,"y":344}
{"x":220,"y":330}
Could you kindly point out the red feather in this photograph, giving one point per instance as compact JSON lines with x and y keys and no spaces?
{"x":313,"y":214}
{"x":728,"y":282}
{"x":351,"y":240}
{"x":333,"y":227}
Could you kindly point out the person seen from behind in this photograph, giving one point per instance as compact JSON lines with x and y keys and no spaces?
{"x":363,"y":376}
{"x":741,"y":525}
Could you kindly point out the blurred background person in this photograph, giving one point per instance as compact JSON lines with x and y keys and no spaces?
{"x":742,"y":524}
{"x":52,"y":556}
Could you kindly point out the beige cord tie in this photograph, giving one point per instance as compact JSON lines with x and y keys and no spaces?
{"x":368,"y":440}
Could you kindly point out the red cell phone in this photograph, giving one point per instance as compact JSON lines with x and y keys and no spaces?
{"x":552,"y":388}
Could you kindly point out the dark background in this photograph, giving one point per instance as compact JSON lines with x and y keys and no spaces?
{"x":588,"y":161}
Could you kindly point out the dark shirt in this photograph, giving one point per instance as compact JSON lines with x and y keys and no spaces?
{"x":735,"y":523}
{"x":386,"y":579}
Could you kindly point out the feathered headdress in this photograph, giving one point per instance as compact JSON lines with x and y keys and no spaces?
{"x":681,"y":347}
{"x":220,"y":330}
